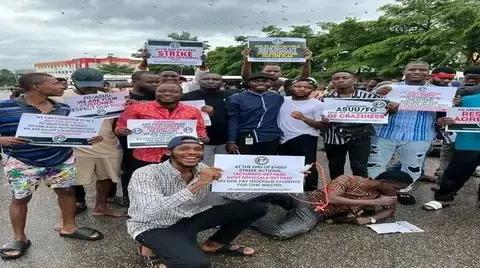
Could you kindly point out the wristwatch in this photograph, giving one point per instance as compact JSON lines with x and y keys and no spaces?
{"x":372,"y":220}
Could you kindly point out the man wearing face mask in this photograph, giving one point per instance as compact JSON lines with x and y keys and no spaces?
{"x":252,"y":118}
{"x":103,"y":161}
{"x":210,"y":91}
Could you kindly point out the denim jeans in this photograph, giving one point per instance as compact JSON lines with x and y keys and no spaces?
{"x":411,"y":153}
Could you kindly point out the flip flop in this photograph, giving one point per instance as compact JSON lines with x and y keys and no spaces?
{"x":434,"y":205}
{"x":84,"y":233}
{"x":20,"y":246}
{"x":227,"y":250}
{"x":150,"y":261}
{"x":406,"y":199}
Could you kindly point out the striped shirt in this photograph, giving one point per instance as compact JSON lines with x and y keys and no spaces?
{"x":40,"y":156}
{"x":408,"y":125}
{"x":330,"y":133}
{"x":159,"y":197}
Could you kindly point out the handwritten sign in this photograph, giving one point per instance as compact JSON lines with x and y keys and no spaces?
{"x":275,"y":49}
{"x":422,"y":98}
{"x":259,"y":174}
{"x":175,"y":52}
{"x":351,"y":110}
{"x":108,"y":105}
{"x":158,"y":133}
{"x":58,"y":131}
{"x":199,"y":104}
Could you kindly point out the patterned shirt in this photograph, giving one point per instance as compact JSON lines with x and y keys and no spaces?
{"x":330,"y":133}
{"x":408,"y":125}
{"x":40,"y":156}
{"x":153,"y":110}
{"x":352,"y":187}
{"x":159,"y":197}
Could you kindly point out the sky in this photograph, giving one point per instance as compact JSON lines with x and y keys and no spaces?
{"x":35,"y":31}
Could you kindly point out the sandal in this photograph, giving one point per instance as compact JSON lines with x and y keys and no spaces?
{"x":20,"y":246}
{"x":406,"y":199}
{"x":434,"y":205}
{"x":227,"y":250}
{"x":150,"y":261}
{"x":84,"y":233}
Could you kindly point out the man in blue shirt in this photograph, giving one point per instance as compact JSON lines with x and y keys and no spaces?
{"x":27,"y":165}
{"x":252,"y":118}
{"x":408,"y":133}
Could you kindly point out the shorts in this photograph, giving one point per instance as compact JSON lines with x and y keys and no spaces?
{"x":24,"y":179}
{"x":91,"y":169}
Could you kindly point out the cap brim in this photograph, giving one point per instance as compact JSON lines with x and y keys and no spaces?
{"x":82,"y":84}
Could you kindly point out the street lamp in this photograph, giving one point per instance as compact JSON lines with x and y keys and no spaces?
{"x":94,"y":57}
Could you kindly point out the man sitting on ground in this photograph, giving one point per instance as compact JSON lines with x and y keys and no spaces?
{"x":349,"y":198}
{"x":171,"y":202}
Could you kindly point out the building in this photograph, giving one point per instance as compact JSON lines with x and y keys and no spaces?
{"x":64,"y":69}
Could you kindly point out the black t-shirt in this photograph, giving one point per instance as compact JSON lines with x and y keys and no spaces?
{"x":217,"y":132}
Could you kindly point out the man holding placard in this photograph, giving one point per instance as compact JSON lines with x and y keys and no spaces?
{"x":103,"y":161}
{"x":171,"y":203}
{"x":408,"y":133}
{"x":28,"y":165}
{"x":165,"y":107}
{"x":215,"y":107}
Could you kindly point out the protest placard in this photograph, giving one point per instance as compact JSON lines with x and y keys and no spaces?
{"x":153,"y":133}
{"x":199,"y":104}
{"x":175,"y":52}
{"x":276,"y":49}
{"x":351,"y":110}
{"x":259,"y":174}
{"x":422,"y":98}
{"x":466,"y":119}
{"x":106,"y":106}
{"x":58,"y":131}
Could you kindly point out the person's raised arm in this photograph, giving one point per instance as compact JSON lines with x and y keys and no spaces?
{"x":247,"y":66}
{"x":306,"y":70}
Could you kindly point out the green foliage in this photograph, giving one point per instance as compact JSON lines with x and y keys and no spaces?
{"x":7,"y":78}
{"x":114,"y":68}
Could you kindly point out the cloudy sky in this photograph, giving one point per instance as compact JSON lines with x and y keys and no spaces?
{"x":34,"y":31}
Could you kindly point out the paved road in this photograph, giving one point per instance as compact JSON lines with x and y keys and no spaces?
{"x":451,"y":239}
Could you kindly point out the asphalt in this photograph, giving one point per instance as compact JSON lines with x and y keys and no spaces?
{"x":451,"y":239}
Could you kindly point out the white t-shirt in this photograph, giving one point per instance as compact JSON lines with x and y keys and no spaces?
{"x":291,"y":127}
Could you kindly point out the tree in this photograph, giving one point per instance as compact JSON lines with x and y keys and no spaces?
{"x":114,"y":68}
{"x":7,"y":78}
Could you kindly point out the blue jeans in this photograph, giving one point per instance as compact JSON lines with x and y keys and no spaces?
{"x":411,"y":153}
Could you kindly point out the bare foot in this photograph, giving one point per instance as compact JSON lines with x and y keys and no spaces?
{"x":213,"y":247}
{"x":108,"y":213}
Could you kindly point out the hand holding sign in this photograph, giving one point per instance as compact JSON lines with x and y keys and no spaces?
{"x":457,"y":101}
{"x":208,"y":175}
{"x":208,"y":109}
{"x":246,"y":52}
{"x":96,"y":139}
{"x":384,"y":90}
{"x":12,"y":141}
{"x":308,"y":54}
{"x":393,"y":107}
{"x":445,"y":121}
{"x":123,"y":131}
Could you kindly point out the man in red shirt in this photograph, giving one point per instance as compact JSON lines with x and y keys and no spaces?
{"x":165,"y":107}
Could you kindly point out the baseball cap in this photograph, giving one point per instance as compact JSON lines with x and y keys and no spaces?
{"x":87,"y":77}
{"x":310,"y":80}
{"x":260,"y":75}
{"x":179,"y":140}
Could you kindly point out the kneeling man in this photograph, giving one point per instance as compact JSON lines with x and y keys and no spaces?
{"x":171,"y":202}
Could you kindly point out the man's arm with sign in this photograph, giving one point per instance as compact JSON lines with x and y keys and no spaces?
{"x":312,"y":123}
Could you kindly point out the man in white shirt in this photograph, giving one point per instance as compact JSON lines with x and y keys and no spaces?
{"x":299,"y":119}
